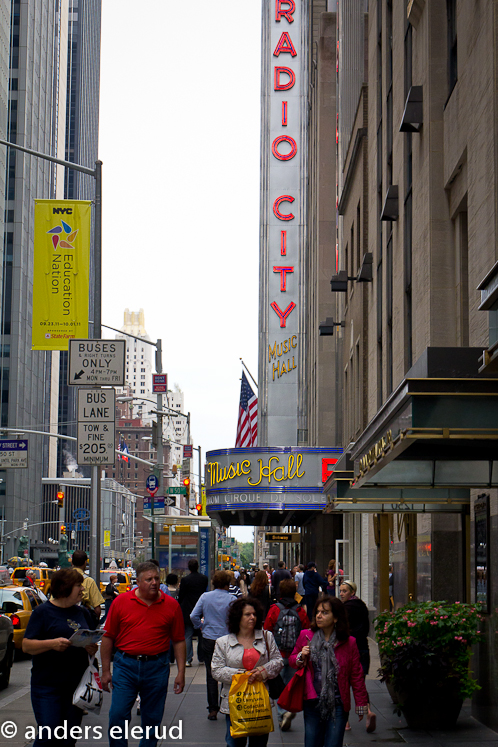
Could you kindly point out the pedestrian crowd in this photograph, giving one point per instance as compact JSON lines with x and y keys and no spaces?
{"x":291,"y":636}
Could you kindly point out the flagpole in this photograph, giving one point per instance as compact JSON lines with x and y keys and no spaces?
{"x":250,"y":374}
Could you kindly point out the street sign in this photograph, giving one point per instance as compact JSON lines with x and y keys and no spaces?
{"x":159,"y":505}
{"x":186,"y":468}
{"x":187,"y":451}
{"x":152,"y":484}
{"x":96,"y":426}
{"x":159,"y":383}
{"x":282,"y":537}
{"x":13,"y":453}
{"x":177,"y":490}
{"x":97,"y":362}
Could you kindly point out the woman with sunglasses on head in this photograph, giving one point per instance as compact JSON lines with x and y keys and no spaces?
{"x":332,"y":663}
{"x":359,"y":625}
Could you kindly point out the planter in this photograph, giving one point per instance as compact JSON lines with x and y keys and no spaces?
{"x":423,"y":712}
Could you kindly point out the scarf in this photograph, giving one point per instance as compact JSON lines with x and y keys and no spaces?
{"x":322,"y":654}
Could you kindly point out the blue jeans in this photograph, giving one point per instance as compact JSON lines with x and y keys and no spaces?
{"x":189,"y":632}
{"x":129,"y":678}
{"x":256,"y":741}
{"x":318,"y":733}
{"x":287,"y":674}
{"x":52,"y":707}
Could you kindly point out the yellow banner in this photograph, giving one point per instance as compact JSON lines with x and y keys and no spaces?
{"x":61,"y":272}
{"x":107,"y":537}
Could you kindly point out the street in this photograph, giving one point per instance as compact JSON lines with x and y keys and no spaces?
{"x":187,"y":712}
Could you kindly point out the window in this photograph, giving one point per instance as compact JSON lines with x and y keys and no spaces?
{"x":452,"y":44}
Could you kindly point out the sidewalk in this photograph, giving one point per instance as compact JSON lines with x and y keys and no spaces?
{"x":189,"y":708}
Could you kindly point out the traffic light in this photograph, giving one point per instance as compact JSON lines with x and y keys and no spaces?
{"x":154,"y":433}
{"x":199,"y":508}
{"x":63,"y":529}
{"x":186,"y":484}
{"x":60,"y":499}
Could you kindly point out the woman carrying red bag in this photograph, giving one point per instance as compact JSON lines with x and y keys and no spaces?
{"x":332,"y":663}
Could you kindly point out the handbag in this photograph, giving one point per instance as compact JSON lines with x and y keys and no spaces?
{"x":88,"y":694}
{"x":276,"y":686}
{"x":292,"y":698}
{"x":250,"y":708}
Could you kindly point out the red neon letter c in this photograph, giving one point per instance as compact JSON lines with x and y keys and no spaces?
{"x":276,"y":205}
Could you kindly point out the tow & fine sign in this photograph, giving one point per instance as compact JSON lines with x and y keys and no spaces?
{"x":96,"y":426}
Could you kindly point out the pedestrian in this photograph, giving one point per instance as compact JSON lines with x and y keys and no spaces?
{"x":359,"y":626}
{"x":92,"y":598}
{"x":212,"y":607}
{"x":298,"y":578}
{"x":278,"y":576}
{"x":333,"y":667}
{"x":331,"y":578}
{"x":286,"y":619}
{"x":191,"y":588}
{"x":172,"y":587}
{"x":267,"y":571}
{"x":261,"y":590}
{"x":110,"y":593}
{"x":312,"y":581}
{"x":57,"y":666}
{"x":243,"y":582}
{"x":140,"y":625}
{"x":29,"y":579}
{"x":245,"y":648}
{"x":234,"y":586}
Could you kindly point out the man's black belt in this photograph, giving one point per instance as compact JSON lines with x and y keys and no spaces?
{"x":142,"y":657}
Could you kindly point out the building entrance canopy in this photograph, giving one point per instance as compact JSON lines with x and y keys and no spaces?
{"x":268,"y":486}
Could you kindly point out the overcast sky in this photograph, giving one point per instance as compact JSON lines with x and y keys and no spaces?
{"x":179,"y":139}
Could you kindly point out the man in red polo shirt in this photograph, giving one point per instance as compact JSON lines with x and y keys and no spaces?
{"x":139,"y":627}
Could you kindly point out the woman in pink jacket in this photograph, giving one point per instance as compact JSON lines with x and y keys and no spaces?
{"x":332,"y":663}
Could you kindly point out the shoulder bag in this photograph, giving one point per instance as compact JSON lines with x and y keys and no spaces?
{"x":276,"y":686}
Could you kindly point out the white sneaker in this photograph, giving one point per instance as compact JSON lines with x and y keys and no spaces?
{"x":188,"y":664}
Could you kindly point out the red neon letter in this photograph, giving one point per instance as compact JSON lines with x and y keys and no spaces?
{"x":282,"y":315}
{"x":285,"y":13}
{"x":284,"y":139}
{"x":278,"y":86}
{"x":283,"y":276}
{"x":276,"y":205}
{"x":285,"y":45}
{"x":283,"y":243}
{"x":327,"y":470}
{"x":284,"y":113}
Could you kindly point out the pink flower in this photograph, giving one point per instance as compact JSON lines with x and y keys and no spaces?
{"x":411,"y":625}
{"x":458,"y":638}
{"x":434,"y":622}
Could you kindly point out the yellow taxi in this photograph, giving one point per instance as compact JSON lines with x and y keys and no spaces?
{"x":123,"y":584}
{"x":43,"y":577}
{"x":17,"y":603}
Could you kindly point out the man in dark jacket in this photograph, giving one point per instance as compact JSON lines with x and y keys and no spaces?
{"x":191,"y":588}
{"x":278,"y":576}
{"x":312,"y":582}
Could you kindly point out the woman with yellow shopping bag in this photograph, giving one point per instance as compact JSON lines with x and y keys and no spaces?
{"x":243,"y":661}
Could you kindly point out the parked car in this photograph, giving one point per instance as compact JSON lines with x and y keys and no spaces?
{"x":124,"y":580}
{"x":17,"y":602}
{"x":43,"y":577}
{"x":6,"y":639}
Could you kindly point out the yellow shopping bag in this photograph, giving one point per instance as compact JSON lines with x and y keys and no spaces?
{"x":250,"y":709}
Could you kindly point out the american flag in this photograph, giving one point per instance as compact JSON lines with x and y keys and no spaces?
{"x":247,"y":424}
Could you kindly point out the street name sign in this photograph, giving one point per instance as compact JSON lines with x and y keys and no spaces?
{"x":97,"y":362}
{"x":177,"y":490}
{"x":13,"y":453}
{"x":283,"y":537}
{"x":96,"y":426}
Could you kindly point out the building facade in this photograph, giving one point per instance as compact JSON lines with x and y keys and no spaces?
{"x":34,"y":101}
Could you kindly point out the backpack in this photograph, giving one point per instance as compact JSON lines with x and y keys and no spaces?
{"x":287,"y":628}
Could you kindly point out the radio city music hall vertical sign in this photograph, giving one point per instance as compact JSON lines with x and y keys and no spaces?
{"x":283,"y":235}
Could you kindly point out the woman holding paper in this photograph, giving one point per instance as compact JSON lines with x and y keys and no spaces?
{"x":57,"y":665}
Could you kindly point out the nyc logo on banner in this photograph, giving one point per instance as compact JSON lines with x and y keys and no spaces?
{"x":61,"y":273}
